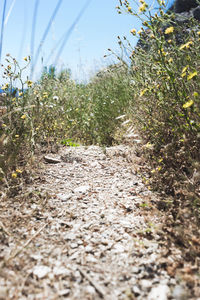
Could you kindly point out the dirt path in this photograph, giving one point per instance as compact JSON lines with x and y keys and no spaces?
{"x":85,"y":229}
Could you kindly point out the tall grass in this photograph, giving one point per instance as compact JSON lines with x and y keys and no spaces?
{"x":56,"y":108}
{"x":159,"y":92}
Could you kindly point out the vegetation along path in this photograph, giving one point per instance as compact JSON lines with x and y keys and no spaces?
{"x":87,"y":229}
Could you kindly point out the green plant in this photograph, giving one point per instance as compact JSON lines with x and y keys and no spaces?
{"x":166,"y":105}
{"x":16,"y":128}
{"x":69,"y":143}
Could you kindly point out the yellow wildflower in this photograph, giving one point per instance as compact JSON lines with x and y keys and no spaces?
{"x":198,"y":32}
{"x":143,"y":92}
{"x":14,"y":175}
{"x":17,"y":135}
{"x":5,"y":86}
{"x":185,"y":69}
{"x":183,"y":73}
{"x":133,"y":53}
{"x":23,"y":117}
{"x":191,"y":75}
{"x":18,"y":171}
{"x":20,"y":94}
{"x":129,"y":9}
{"x":143,"y":7}
{"x":133,"y":31}
{"x":188,"y":104}
{"x":169,"y":30}
{"x":187,"y":45}
{"x":195,"y":94}
{"x":149,"y":146}
{"x":45,"y":95}
{"x":29,"y":83}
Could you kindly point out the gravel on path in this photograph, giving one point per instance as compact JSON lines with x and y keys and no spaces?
{"x":86,"y":229}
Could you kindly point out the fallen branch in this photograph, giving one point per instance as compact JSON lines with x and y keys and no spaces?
{"x":98,"y":288}
{"x":52,"y":160}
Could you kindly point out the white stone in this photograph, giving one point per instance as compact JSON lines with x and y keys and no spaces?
{"x":61,"y":271}
{"x":41,"y":271}
{"x":82,"y":189}
{"x":64,"y":197}
{"x":145,"y":284}
{"x":160,"y":292}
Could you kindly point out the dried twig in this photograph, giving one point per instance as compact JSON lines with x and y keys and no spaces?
{"x":98,"y":288}
{"x":23,"y":247}
{"x":4,"y":229}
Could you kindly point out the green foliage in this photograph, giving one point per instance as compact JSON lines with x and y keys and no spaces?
{"x":69,"y":143}
{"x":166,"y":106}
{"x":159,"y":92}
{"x":16,"y":126}
{"x":58,"y":110}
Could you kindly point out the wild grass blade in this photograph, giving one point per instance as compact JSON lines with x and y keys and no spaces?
{"x":2,"y":27}
{"x":45,"y":35}
{"x":9,"y":12}
{"x":33,"y":31}
{"x":70,"y":30}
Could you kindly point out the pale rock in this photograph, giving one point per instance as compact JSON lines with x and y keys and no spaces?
{"x":160,"y":292}
{"x":69,"y":236}
{"x":61,"y":271}
{"x":41,"y":271}
{"x":64,"y":197}
{"x":36,"y":256}
{"x":82,"y":189}
{"x":179,"y":293}
{"x":118,"y":248}
{"x":64,"y":292}
{"x":91,"y":258}
{"x":3,"y":293}
{"x":136,"y":290}
{"x":90,"y":289}
{"x":88,"y":249}
{"x":74,"y":245}
{"x":145,"y":284}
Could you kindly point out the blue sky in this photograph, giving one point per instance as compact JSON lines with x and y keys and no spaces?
{"x":95,"y":32}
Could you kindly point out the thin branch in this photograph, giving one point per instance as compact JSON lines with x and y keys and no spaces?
{"x":98,"y":288}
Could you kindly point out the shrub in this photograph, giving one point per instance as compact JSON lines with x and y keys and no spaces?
{"x":167,"y":101}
